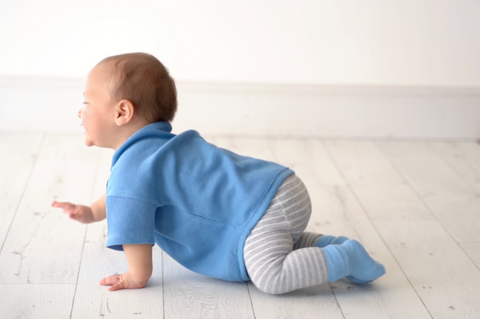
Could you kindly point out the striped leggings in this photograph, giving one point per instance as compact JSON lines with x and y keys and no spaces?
{"x":279,"y":256}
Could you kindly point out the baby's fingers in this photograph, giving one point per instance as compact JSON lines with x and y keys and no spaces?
{"x":118,"y":286}
{"x":62,"y":205}
{"x":115,"y":281}
{"x":68,"y":208}
{"x":110,"y":280}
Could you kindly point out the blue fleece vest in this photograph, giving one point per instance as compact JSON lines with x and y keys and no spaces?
{"x":196,"y":201}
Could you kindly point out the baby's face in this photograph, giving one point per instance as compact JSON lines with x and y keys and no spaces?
{"x":98,"y":112}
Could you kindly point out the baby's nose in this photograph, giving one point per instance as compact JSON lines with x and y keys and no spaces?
{"x":79,"y":113}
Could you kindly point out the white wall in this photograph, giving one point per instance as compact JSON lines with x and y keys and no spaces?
{"x":369,"y":42}
{"x":337,"y":68}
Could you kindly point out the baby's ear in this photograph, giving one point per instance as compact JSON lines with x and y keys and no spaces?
{"x":124,"y":111}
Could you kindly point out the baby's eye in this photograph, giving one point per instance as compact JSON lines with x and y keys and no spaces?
{"x":85,"y":103}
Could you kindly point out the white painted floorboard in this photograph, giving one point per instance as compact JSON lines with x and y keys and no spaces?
{"x":414,"y":205}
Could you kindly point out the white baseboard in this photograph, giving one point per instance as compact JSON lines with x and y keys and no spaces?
{"x":280,"y":110}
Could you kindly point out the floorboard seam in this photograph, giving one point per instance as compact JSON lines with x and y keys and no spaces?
{"x":350,"y":188}
{"x":85,"y":235}
{"x":37,"y":154}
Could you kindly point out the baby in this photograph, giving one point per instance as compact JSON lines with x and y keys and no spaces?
{"x":215,"y":212}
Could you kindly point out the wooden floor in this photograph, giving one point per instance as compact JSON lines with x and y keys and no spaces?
{"x":414,"y":205}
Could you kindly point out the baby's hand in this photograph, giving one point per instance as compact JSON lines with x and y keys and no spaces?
{"x":80,"y":213}
{"x":125,"y":281}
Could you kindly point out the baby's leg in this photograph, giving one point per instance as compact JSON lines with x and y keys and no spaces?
{"x":276,"y":260}
{"x":308,"y":239}
{"x":272,"y":264}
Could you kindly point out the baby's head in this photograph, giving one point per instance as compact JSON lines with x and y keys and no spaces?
{"x":124,"y":93}
{"x":143,"y":80}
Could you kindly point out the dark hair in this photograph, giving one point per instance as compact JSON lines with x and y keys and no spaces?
{"x":143,"y":80}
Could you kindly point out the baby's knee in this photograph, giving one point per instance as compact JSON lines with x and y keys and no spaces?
{"x":271,"y":288}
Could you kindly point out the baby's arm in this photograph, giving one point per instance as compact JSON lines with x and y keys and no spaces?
{"x":84,"y":214}
{"x":139,"y":258}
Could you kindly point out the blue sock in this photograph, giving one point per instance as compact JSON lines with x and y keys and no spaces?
{"x":337,"y":260}
{"x":352,"y":260}
{"x":325,"y":240}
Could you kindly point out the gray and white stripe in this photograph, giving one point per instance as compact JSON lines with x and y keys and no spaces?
{"x":279,"y":256}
